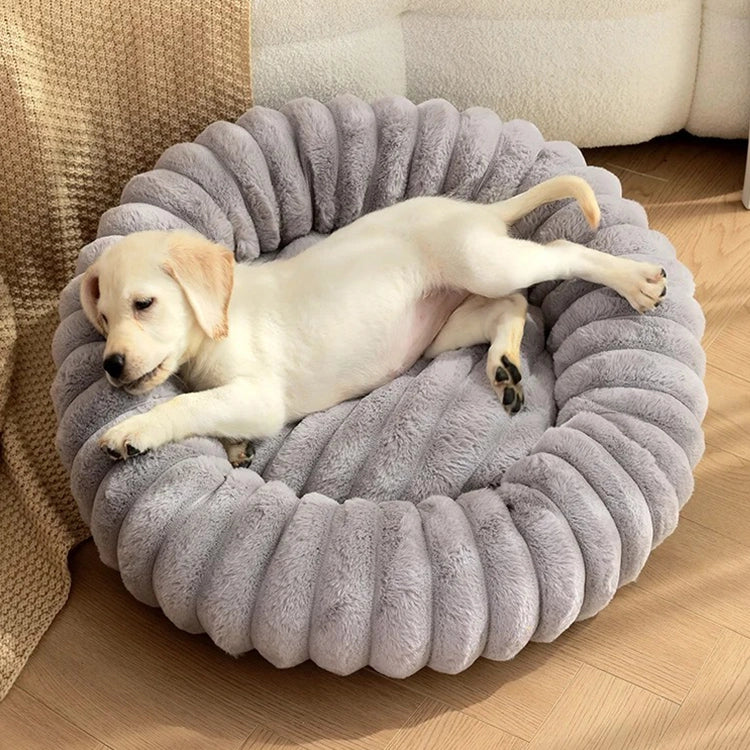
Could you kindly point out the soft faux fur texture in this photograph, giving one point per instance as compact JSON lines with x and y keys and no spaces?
{"x":419,"y":525}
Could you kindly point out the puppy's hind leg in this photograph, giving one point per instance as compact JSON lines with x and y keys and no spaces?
{"x":465,"y":327}
{"x":492,"y":265}
{"x":499,"y":322}
{"x":520,"y":263}
{"x":506,"y":321}
{"x":642,"y":284}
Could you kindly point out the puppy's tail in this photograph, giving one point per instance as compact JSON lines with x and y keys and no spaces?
{"x":564,"y":186}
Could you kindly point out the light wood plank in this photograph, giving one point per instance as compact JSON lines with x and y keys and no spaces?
{"x":674,"y":158}
{"x":730,"y":350}
{"x":602,"y":712}
{"x":716,"y":503}
{"x":436,"y":725}
{"x":264,"y":739}
{"x":93,"y":668}
{"x":704,"y":572}
{"x":716,"y":713}
{"x":515,"y":696}
{"x":713,"y":241}
{"x":27,"y":724}
{"x":727,"y":424}
{"x":644,"y":639}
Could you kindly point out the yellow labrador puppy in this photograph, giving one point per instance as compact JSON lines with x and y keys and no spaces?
{"x":264,"y":345}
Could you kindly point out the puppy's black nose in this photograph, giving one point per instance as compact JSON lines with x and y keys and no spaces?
{"x":114,"y":365}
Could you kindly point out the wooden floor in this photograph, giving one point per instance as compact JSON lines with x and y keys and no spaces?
{"x":665,"y":666}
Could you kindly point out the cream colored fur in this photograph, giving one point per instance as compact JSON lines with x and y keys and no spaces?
{"x":265,"y":345}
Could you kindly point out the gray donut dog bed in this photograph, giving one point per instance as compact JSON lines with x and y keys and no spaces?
{"x":419,"y":525}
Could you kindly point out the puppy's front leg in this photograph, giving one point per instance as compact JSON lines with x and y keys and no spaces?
{"x":240,"y":409}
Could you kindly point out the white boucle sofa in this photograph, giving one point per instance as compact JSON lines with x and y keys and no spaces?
{"x":597,"y":73}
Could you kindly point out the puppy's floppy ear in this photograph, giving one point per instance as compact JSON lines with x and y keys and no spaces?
{"x":205,"y":271}
{"x":89,"y":295}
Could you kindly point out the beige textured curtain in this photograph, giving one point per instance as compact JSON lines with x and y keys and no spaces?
{"x":91,"y":92}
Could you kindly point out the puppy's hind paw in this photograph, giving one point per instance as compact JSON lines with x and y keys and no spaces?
{"x":506,"y":380}
{"x":642,"y":284}
{"x":512,"y":398}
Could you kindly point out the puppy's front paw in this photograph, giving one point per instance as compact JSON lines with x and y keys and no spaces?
{"x":642,"y":284}
{"x":240,"y":453}
{"x":135,"y":435}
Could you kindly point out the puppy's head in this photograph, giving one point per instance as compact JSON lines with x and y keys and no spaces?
{"x":156,"y":296}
